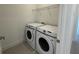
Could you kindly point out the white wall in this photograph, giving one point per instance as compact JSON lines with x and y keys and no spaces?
{"x":12,"y":21}
{"x":66,"y":28}
{"x":75,"y":41}
{"x":43,"y":5}
{"x":47,"y":13}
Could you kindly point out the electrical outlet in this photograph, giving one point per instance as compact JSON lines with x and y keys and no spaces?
{"x":2,"y":37}
{"x":58,"y":41}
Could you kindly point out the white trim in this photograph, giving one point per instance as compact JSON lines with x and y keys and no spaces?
{"x":0,"y":48}
{"x":66,"y":25}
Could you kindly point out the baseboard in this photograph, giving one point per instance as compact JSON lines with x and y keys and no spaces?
{"x":12,"y":44}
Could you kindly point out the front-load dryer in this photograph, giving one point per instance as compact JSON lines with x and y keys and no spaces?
{"x":46,"y":39}
{"x":30,"y":33}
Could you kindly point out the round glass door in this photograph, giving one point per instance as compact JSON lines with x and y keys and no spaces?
{"x":29,"y":35}
{"x":44,"y":44}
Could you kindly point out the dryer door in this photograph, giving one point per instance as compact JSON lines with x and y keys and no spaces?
{"x":44,"y":44}
{"x":29,"y":34}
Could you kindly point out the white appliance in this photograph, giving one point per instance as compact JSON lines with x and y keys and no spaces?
{"x":30,"y":33}
{"x":46,"y":39}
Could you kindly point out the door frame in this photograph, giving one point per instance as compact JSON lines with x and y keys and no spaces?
{"x":67,"y":20}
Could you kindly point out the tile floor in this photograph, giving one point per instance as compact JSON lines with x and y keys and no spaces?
{"x":22,"y":48}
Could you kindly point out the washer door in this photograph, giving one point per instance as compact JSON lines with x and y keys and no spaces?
{"x":44,"y":44}
{"x":29,"y":34}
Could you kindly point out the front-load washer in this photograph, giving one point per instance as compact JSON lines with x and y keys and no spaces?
{"x":30,"y":33}
{"x":46,"y":39}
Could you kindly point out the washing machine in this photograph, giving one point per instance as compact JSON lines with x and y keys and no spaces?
{"x":30,"y":33}
{"x":46,"y":39}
